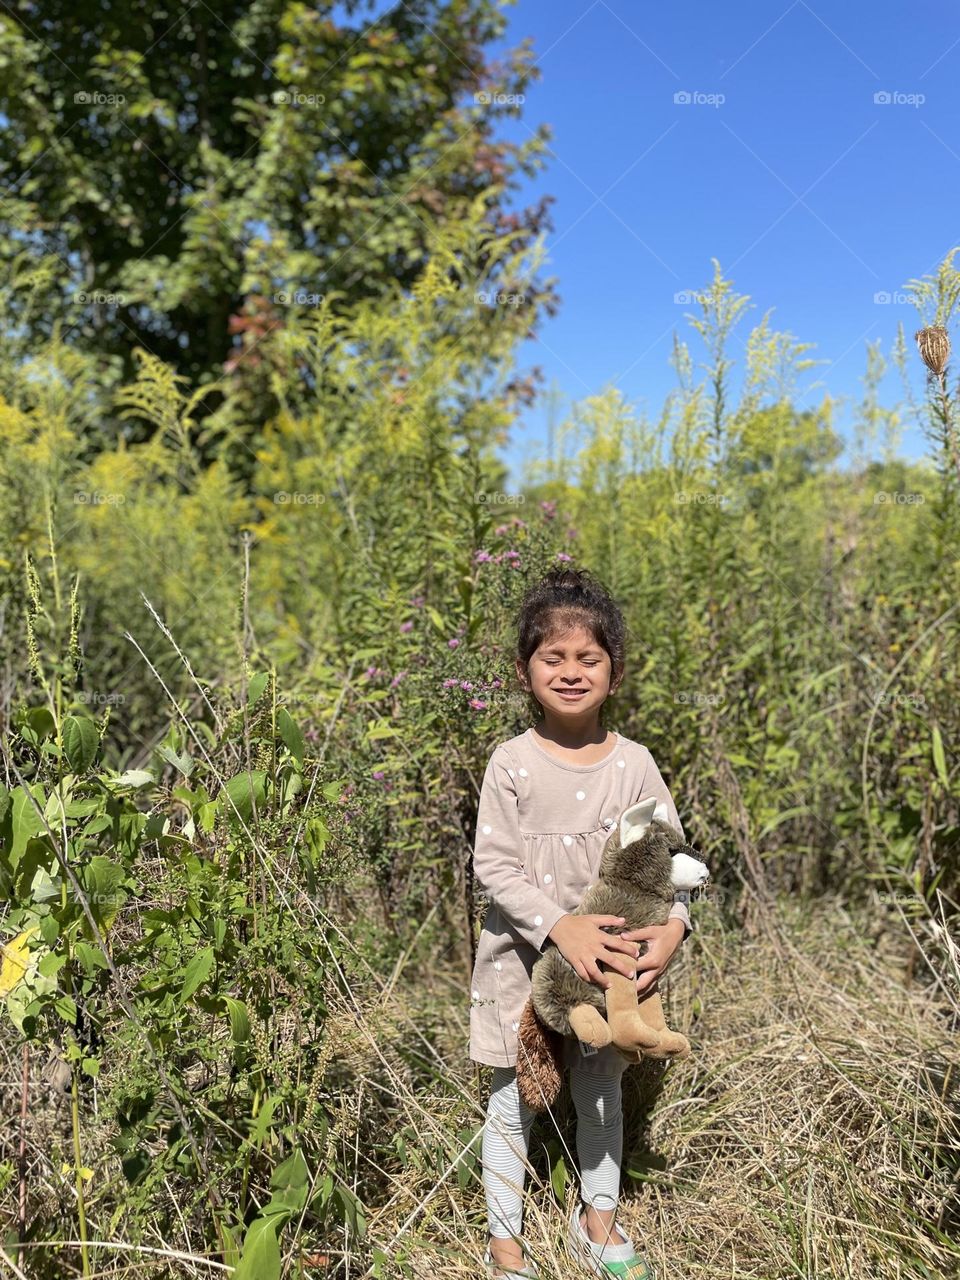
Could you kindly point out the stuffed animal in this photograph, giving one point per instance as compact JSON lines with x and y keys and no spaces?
{"x":645,"y":860}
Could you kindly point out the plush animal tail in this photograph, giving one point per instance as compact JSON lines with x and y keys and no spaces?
{"x":539,"y":1061}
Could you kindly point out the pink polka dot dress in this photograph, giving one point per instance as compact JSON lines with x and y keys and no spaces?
{"x":542,"y":825}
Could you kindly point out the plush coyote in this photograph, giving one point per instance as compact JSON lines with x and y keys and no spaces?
{"x":644,"y":862}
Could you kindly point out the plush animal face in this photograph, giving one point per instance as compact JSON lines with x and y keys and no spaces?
{"x":648,"y":853}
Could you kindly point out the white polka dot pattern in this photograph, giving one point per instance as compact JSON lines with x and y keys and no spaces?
{"x":538,"y":845}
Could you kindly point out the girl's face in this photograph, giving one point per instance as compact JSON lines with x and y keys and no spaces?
{"x":569,"y":675}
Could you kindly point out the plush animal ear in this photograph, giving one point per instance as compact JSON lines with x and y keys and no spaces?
{"x":660,"y":812}
{"x":635,"y":820}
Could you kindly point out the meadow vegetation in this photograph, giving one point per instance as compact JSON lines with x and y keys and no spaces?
{"x":255,"y":640}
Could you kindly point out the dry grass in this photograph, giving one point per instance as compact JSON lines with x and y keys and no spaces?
{"x":815,"y":1132}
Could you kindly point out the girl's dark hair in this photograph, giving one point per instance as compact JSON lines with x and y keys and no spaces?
{"x":562,"y":600}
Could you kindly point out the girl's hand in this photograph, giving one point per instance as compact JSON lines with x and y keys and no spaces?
{"x":663,"y":942}
{"x":582,"y":941}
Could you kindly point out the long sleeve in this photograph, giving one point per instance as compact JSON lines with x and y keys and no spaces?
{"x":497,"y":857}
{"x":654,"y":785}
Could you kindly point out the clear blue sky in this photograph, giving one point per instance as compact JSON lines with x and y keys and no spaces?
{"x":813,"y":196}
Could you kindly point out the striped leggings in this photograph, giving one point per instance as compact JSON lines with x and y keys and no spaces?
{"x":506,"y":1141}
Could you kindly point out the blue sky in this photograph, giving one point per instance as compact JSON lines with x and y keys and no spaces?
{"x":814,"y":197}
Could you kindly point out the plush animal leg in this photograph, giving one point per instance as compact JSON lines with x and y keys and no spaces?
{"x":628,"y":1029}
{"x":671,"y":1044}
{"x":588,"y":1024}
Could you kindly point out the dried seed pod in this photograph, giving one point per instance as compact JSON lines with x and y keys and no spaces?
{"x":933,"y":343}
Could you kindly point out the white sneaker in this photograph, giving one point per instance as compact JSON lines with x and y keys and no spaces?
{"x":610,"y":1261}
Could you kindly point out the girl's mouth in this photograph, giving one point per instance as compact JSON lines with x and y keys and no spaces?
{"x":571,"y":694}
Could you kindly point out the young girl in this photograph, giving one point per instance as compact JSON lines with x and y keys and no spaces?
{"x":549,"y":799}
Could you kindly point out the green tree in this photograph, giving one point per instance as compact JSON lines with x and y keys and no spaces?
{"x":200,"y":171}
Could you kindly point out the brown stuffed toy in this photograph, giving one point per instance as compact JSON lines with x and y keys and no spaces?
{"x":644,"y":862}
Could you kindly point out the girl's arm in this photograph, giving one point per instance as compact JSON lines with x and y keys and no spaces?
{"x":497,"y":853}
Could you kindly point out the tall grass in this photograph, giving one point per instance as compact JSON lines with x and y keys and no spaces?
{"x":243,"y":732}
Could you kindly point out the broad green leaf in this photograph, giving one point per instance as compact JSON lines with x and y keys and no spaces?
{"x":92,"y":958}
{"x":67,"y":1009}
{"x":255,"y":689}
{"x":184,"y":763}
{"x":239,"y":1020}
{"x":102,"y":879}
{"x":558,"y":1178}
{"x":261,"y":1252}
{"x":290,"y":733}
{"x":289,"y":1182}
{"x":134,"y":778}
{"x":25,"y":821}
{"x":51,"y":964}
{"x":81,"y":741}
{"x":38,"y":725}
{"x":316,"y":836}
{"x":197,"y":972}
{"x":243,"y":789}
{"x":292,"y":1172}
{"x":352,"y":1212}
{"x":207,"y":816}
